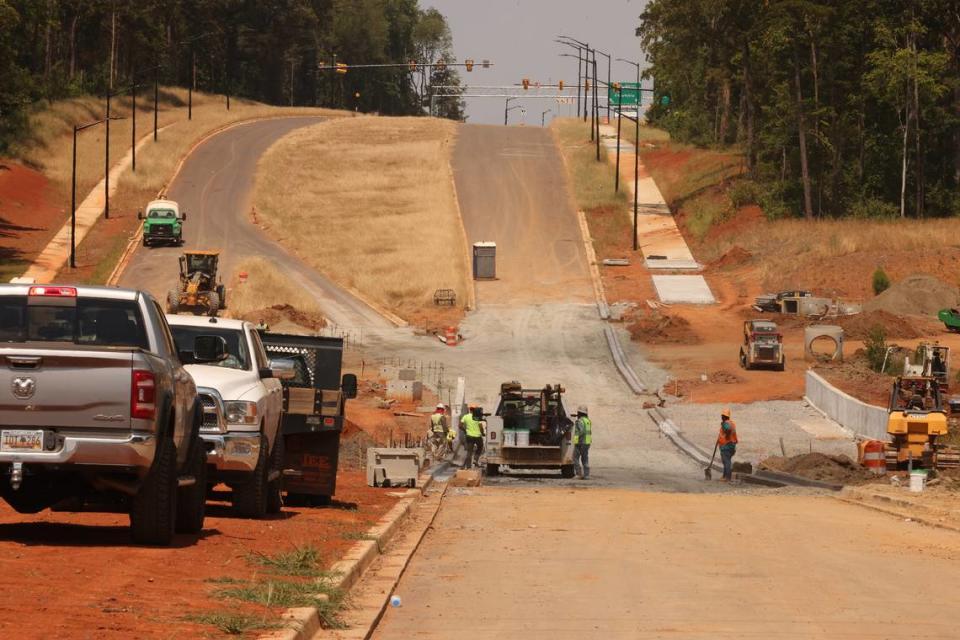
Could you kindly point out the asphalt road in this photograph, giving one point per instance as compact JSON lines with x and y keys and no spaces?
{"x":215,"y":187}
{"x":512,"y":188}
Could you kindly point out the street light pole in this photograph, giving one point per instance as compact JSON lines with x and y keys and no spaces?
{"x":596,"y":106}
{"x":616,"y":183}
{"x":156,"y":99}
{"x":506,"y":109}
{"x":73,"y":192}
{"x":133,"y":126}
{"x":543,"y":117}
{"x":106,"y":163}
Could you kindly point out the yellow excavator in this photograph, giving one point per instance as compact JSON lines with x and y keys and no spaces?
{"x":916,"y":418}
{"x":199,"y":290}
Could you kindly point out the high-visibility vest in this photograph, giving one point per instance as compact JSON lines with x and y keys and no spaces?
{"x":436,"y":423}
{"x":472,"y":426}
{"x":587,"y":427}
{"x":728,"y":436}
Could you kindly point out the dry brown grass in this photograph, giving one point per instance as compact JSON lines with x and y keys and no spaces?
{"x":268,"y":294}
{"x":370,"y":202}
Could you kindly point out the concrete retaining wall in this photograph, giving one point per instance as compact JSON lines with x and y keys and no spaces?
{"x":863,"y":419}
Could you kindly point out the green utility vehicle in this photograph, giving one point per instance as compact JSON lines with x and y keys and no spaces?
{"x":950,"y":319}
{"x":163,"y":222}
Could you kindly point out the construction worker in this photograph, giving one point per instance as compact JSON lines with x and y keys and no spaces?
{"x":262,"y":325}
{"x":472,"y":424}
{"x":727,"y":440}
{"x":437,"y":429}
{"x":582,"y":438}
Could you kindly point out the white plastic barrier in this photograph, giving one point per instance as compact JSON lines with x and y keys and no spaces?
{"x":863,"y":419}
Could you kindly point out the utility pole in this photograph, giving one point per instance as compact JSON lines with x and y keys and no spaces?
{"x":193,"y":82}
{"x":596,"y":106}
{"x":133,"y":125}
{"x":106,"y":163}
{"x":156,"y":99}
{"x":616,"y":183}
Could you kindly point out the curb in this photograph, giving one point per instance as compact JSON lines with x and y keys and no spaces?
{"x":602,"y":307}
{"x":467,"y":264}
{"x":620,"y":360}
{"x":128,"y":251}
{"x":304,"y":621}
{"x":859,"y":500}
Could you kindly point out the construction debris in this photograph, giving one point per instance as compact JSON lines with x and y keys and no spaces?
{"x":616,"y":262}
{"x":838,"y":469}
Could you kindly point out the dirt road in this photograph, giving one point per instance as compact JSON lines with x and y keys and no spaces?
{"x":214,"y":188}
{"x":615,"y":564}
{"x":511,"y":185}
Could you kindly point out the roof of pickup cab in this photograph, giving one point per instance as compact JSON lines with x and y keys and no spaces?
{"x":83,"y":291}
{"x":163,"y":204}
{"x":205,"y":321}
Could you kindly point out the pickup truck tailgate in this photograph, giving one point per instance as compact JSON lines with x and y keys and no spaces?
{"x":83,"y":387}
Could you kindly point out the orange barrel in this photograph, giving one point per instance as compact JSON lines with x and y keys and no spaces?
{"x":874,"y":456}
{"x":450,"y":334}
{"x":243,"y":276}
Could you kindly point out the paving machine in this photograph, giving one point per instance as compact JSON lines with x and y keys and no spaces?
{"x":916,"y":419}
{"x":530,"y":430}
{"x":200,"y":290}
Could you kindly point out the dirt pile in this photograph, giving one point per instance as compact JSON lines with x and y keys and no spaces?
{"x":277,"y":313}
{"x":735,"y":256}
{"x":859,"y":326}
{"x":916,"y":295}
{"x":656,"y":327}
{"x":819,"y":466}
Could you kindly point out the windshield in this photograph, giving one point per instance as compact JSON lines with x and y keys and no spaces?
{"x":111,"y":323}
{"x":238,"y":355}
{"x":201,"y":263}
{"x":161,"y":213}
{"x":916,"y":395}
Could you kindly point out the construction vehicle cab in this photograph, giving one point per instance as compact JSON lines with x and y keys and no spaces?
{"x":916,"y":419}
{"x":530,"y":430}
{"x":762,"y":345}
{"x":933,"y":361}
{"x":199,"y":290}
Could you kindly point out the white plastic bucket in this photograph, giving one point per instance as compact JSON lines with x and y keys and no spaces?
{"x":523,"y":438}
{"x":509,"y":438}
{"x":918,"y":480}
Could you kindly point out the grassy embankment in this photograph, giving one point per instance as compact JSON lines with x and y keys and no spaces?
{"x":718,"y":211}
{"x":268,"y":295}
{"x":370,"y":202}
{"x":49,"y":149}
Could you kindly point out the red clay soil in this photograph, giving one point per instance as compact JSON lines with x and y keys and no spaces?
{"x":29,"y":215}
{"x":859,"y":326}
{"x":77,"y":575}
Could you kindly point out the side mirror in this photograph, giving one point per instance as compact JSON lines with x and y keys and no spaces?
{"x":183,"y":216}
{"x":139,"y":215}
{"x":348,"y":385}
{"x":282,"y":369}
{"x":209,"y":349}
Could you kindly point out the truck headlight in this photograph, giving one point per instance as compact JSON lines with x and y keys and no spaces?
{"x":240,"y":412}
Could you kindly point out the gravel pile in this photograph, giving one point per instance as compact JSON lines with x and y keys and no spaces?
{"x":916,"y":295}
{"x":838,"y":469}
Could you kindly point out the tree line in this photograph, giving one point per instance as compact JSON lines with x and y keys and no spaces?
{"x":841,"y":107}
{"x":266,"y":50}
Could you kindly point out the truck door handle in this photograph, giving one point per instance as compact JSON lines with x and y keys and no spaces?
{"x":24,"y":362}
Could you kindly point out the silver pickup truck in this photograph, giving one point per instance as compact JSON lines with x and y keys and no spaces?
{"x":95,"y":407}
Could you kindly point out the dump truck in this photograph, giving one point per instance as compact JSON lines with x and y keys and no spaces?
{"x":163,"y":222}
{"x":762,"y":346}
{"x":200,"y":289}
{"x":529,"y":430}
{"x":314,"y":406}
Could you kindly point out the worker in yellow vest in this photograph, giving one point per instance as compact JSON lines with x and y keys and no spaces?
{"x":437,"y":430}
{"x":473,"y":428}
{"x":582,"y":439}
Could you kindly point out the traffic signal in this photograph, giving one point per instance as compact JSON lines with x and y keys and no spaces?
{"x":342,"y":68}
{"x":486,"y":64}
{"x":616,"y":86}
{"x":586,"y":85}
{"x":440,"y":64}
{"x":413,"y":65}
{"x":526,"y":83}
{"x":560,"y":86}
{"x":469,"y":63}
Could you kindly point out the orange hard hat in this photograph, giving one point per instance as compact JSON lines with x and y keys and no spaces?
{"x":725,"y":413}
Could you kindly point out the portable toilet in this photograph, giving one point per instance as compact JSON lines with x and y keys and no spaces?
{"x":484,"y":260}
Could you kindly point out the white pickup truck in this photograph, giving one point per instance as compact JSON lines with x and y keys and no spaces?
{"x":244,"y":450}
{"x":96,"y":408}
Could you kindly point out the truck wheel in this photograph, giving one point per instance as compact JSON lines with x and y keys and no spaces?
{"x":146,"y":242}
{"x":493,"y":469}
{"x":154,"y":508}
{"x":566,"y":471}
{"x":173,"y":301}
{"x":213,"y":303}
{"x":782,"y":365}
{"x":274,"y":499}
{"x":192,"y":500}
{"x":250,"y":498}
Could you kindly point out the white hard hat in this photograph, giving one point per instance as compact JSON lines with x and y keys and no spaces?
{"x":582,"y":409}
{"x":440,"y":406}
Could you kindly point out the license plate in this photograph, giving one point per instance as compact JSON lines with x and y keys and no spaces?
{"x":313,"y":420}
{"x":21,"y":440}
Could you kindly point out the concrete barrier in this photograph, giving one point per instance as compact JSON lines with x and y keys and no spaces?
{"x":865,"y":420}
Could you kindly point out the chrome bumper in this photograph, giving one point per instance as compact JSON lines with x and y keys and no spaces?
{"x":135,"y":449}
{"x":232,"y":451}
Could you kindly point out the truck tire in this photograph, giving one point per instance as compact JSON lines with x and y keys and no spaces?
{"x":566,"y":470}
{"x":782,"y":365}
{"x":146,"y":242}
{"x":493,"y":469}
{"x":274,"y":499}
{"x":192,"y":500}
{"x":250,"y":498}
{"x":213,"y":303}
{"x":153,"y":510}
{"x":173,"y":301}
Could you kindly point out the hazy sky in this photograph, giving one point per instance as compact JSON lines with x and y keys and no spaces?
{"x":518,"y":37}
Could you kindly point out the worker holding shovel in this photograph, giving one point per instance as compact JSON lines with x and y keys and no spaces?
{"x":727,"y":441}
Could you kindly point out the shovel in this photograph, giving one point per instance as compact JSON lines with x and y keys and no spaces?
{"x":708,"y":472}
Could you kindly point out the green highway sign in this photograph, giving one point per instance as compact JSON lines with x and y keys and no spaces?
{"x":631,"y":94}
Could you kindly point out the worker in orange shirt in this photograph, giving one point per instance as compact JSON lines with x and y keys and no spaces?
{"x":727,"y":440}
